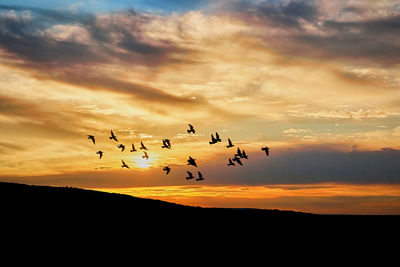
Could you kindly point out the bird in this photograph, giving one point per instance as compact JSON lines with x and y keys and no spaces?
{"x":191,"y":130}
{"x":217,"y":137}
{"x":200,"y":177}
{"x":100,"y":153}
{"x":113,"y":137}
{"x":213,"y":140}
{"x":229,"y":143}
{"x":231,"y":163}
{"x":167,"y":169}
{"x":142,"y":146}
{"x":239,"y":153}
{"x":92,"y":138}
{"x":237,"y":159}
{"x":124,"y":165}
{"x":190,"y":176}
{"x":166,"y":144}
{"x":133,"y":148}
{"x":266,"y":149}
{"x":122,"y":147}
{"x":192,"y":161}
{"x":145,"y":156}
{"x":244,"y":155}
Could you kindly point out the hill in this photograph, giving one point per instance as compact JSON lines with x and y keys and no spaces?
{"x":68,"y":202}
{"x":46,"y":207}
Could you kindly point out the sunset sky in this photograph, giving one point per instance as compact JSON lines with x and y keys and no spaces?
{"x":316,"y":81}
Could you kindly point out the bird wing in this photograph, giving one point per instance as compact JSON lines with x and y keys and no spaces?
{"x":213,"y":138}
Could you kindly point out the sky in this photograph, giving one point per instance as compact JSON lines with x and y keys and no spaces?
{"x":315,"y":81}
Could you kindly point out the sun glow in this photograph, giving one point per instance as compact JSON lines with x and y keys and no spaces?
{"x":143,"y":163}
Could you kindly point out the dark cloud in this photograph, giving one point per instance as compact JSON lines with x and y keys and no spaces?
{"x":314,"y":165}
{"x":273,"y":13}
{"x":112,"y":39}
{"x":367,"y":40}
{"x":286,"y":15}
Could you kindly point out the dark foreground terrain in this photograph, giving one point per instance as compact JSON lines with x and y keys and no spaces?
{"x":22,"y":199}
{"x":29,"y":205}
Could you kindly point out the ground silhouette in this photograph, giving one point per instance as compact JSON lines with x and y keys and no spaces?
{"x":67,"y":206}
{"x":33,"y":200}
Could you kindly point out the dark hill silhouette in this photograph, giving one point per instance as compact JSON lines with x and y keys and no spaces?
{"x":73,"y":208}
{"x":71,"y":202}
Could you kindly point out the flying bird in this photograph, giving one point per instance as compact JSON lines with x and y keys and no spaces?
{"x":92,"y":138}
{"x":190,"y":176}
{"x":229,"y":143}
{"x":191,"y":130}
{"x":266,"y":149}
{"x":239,"y":153}
{"x":166,"y":144}
{"x":113,"y":137}
{"x":244,"y":155}
{"x":100,"y":153}
{"x":167,"y":169}
{"x":237,"y":159}
{"x":192,"y":161}
{"x":133,"y":148}
{"x":231,"y":163}
{"x":213,"y":140}
{"x":142,"y":146}
{"x":122,"y":147}
{"x":217,"y":137}
{"x":124,"y":165}
{"x":200,"y":177}
{"x":145,"y":156}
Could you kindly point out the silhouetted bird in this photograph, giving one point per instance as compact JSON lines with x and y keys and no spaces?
{"x":213,"y":140}
{"x":239,"y":153}
{"x":229,"y":143}
{"x":191,"y":130}
{"x":237,"y":159}
{"x":167,"y":169}
{"x":190,"y":176}
{"x":217,"y":137}
{"x":231,"y":163}
{"x":124,"y":165}
{"x":92,"y":138}
{"x":192,"y":161}
{"x":145,"y":156}
{"x":142,"y":146}
{"x":113,"y":137}
{"x":200,"y":177}
{"x":100,"y":153}
{"x":266,"y":149}
{"x":133,"y":148}
{"x":122,"y":147}
{"x":166,"y":144}
{"x":244,"y":155}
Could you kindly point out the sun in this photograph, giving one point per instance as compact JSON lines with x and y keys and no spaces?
{"x":143,"y":163}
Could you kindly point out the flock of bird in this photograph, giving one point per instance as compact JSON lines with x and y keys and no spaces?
{"x":240,"y":154}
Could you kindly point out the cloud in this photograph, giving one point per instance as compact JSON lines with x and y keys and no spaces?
{"x":40,"y":38}
{"x":313,"y":164}
{"x":314,"y":28}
